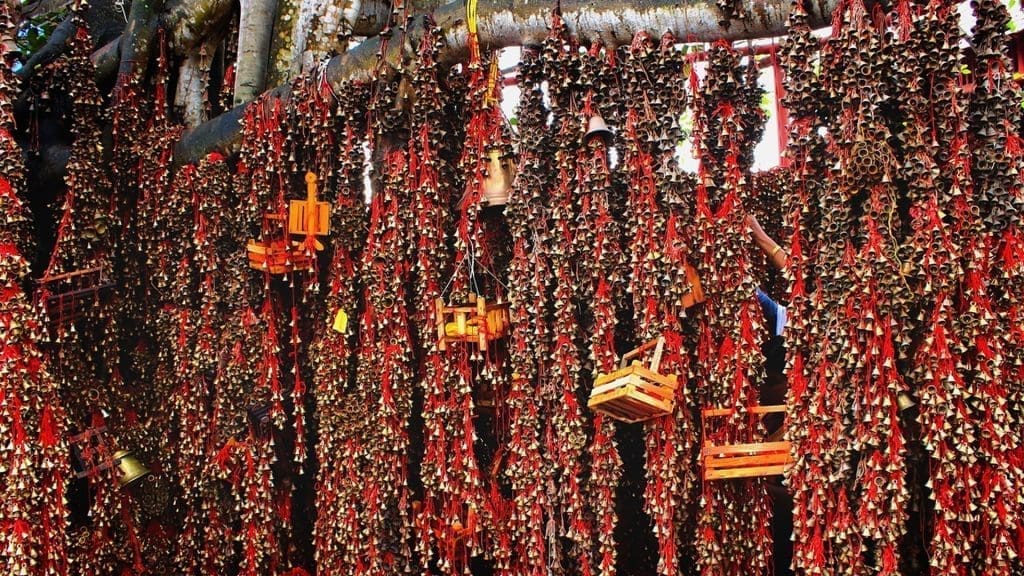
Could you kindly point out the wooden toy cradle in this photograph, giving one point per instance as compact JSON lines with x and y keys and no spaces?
{"x":275,"y":252}
{"x":634,"y":392}
{"x":476,"y":322}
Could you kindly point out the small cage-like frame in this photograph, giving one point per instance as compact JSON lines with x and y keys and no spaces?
{"x":475,"y":321}
{"x":66,"y":297}
{"x":275,"y":252}
{"x":744,"y":460}
{"x":634,"y":392}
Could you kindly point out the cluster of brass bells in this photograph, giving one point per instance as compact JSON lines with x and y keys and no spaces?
{"x":868,"y":162}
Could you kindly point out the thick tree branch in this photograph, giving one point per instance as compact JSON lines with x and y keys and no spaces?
{"x":54,"y":47}
{"x":503,"y":23}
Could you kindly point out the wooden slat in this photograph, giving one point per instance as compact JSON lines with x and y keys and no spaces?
{"x":754,"y":448}
{"x":730,"y":474}
{"x":712,"y":461}
{"x":768,"y":409}
{"x":668,"y":380}
{"x":630,"y":404}
{"x":608,"y":396}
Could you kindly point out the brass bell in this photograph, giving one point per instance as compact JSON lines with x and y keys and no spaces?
{"x":904,"y":402}
{"x":500,"y":172}
{"x":131,"y":469}
{"x":596,"y":126}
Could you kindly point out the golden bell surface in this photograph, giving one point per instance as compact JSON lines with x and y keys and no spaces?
{"x":130,"y":468}
{"x":596,"y":126}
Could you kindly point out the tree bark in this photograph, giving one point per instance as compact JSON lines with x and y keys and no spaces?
{"x":503,"y":23}
{"x":55,"y":46}
{"x":137,"y":37}
{"x":193,"y":82}
{"x":255,"y":31}
{"x":190,"y":21}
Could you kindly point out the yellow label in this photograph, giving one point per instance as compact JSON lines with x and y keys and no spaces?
{"x":340,"y":321}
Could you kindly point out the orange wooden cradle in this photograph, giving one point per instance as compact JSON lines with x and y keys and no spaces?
{"x":276,"y":253}
{"x":747,"y":460}
{"x":634,"y":392}
{"x":475,"y":321}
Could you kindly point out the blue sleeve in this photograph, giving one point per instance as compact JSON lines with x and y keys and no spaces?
{"x":774,"y":314}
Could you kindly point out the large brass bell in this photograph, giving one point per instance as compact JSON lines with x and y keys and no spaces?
{"x":498,"y":182}
{"x":596,"y":127}
{"x":130,"y":468}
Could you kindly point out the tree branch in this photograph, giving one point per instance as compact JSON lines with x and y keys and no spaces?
{"x":190,"y":21}
{"x":503,"y":23}
{"x":54,"y":47}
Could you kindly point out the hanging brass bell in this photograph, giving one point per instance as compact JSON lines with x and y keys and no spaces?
{"x":596,"y":126}
{"x":130,"y":468}
{"x":498,"y":182}
{"x":904,"y":402}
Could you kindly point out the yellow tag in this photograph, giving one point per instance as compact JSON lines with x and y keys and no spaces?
{"x":340,"y":321}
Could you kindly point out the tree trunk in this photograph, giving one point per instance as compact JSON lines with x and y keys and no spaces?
{"x":191,"y":21}
{"x":319,"y":25}
{"x":255,"y":31}
{"x":137,"y":37}
{"x":193,"y":81}
{"x":502,"y":23}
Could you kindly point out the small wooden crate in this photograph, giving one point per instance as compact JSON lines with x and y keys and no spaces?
{"x":66,"y":297}
{"x":277,"y":256}
{"x":728,"y":461}
{"x":635,"y":393}
{"x":696,"y":294}
{"x":476,"y":321}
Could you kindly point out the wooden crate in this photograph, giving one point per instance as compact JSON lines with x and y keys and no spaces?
{"x":696,"y":294}
{"x":476,"y":322}
{"x":744,"y":460}
{"x":277,"y":257}
{"x":635,"y":393}
{"x":66,"y":297}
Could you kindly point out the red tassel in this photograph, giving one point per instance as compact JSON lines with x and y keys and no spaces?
{"x":47,"y":428}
